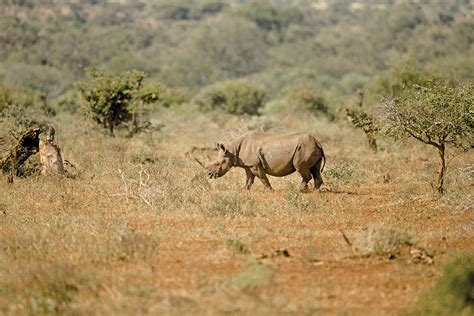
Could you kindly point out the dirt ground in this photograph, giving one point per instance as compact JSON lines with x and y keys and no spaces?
{"x":140,"y":229}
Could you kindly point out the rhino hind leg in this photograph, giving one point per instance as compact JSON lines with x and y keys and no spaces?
{"x":316,"y":172}
{"x":306,"y":175}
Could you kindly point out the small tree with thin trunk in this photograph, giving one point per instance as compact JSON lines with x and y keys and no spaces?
{"x":113,"y":100}
{"x":437,"y":113}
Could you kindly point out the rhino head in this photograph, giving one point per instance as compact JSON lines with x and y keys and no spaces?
{"x":224,"y":161}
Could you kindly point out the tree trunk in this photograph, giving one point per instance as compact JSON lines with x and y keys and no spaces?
{"x":111,"y":128}
{"x":50,"y":155}
{"x":442,"y":168}
{"x":372,"y":141}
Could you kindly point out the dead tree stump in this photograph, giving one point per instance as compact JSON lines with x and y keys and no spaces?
{"x":50,"y":155}
{"x":27,"y":145}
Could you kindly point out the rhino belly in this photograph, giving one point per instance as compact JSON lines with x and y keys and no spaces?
{"x":279,"y":167}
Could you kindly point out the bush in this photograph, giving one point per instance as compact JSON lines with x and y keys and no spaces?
{"x":233,"y":96}
{"x":170,"y":97}
{"x":219,"y":49}
{"x":67,"y":102}
{"x":16,"y":96}
{"x":113,"y":100}
{"x":453,"y":293}
{"x":21,"y":108}
{"x":271,"y":18}
{"x":299,"y":99}
{"x":383,"y":241}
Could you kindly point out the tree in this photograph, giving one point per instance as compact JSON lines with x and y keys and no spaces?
{"x":271,"y":18}
{"x":299,"y":98}
{"x":233,"y":96}
{"x":437,"y":113}
{"x":220,"y":49}
{"x":112,"y":100}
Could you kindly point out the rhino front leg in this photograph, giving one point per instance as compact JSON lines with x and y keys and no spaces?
{"x":250,"y":178}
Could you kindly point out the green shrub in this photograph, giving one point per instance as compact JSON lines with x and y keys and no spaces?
{"x":22,"y":108}
{"x":299,"y":99}
{"x":170,"y":97}
{"x":233,"y":96}
{"x":67,"y":102}
{"x":114,"y":100}
{"x":453,"y":294}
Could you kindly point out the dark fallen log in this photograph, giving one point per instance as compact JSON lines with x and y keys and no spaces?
{"x":27,"y":145}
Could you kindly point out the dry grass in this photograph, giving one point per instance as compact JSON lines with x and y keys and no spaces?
{"x":141,"y":230}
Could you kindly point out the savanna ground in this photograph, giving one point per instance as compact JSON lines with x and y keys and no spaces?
{"x":140,"y":229}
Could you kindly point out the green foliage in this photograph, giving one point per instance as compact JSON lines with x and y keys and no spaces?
{"x":168,"y":97}
{"x":16,"y":32}
{"x":360,"y":119}
{"x":112,"y":100}
{"x":453,"y":293}
{"x":396,"y":82}
{"x":191,"y":44}
{"x":233,"y":96}
{"x":432,"y":110}
{"x":269,"y":17}
{"x":17,"y":96}
{"x":67,"y":102}
{"x":299,"y":99}
{"x":43,"y":78}
{"x":187,"y":10}
{"x":223,"y":48}
{"x":22,"y":108}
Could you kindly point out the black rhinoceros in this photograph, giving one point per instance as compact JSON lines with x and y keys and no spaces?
{"x":277,"y":155}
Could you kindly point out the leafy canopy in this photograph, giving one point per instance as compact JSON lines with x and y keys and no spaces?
{"x":432,"y":110}
{"x":112,"y":100}
{"x":233,"y":96}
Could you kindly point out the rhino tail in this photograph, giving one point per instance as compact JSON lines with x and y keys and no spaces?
{"x":322,"y":154}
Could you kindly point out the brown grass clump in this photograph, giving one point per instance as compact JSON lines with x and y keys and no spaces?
{"x":383,"y":241}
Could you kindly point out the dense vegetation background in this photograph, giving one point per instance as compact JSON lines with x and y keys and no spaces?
{"x":334,"y":47}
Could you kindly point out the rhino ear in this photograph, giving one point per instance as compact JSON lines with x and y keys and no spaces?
{"x":220,"y":147}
